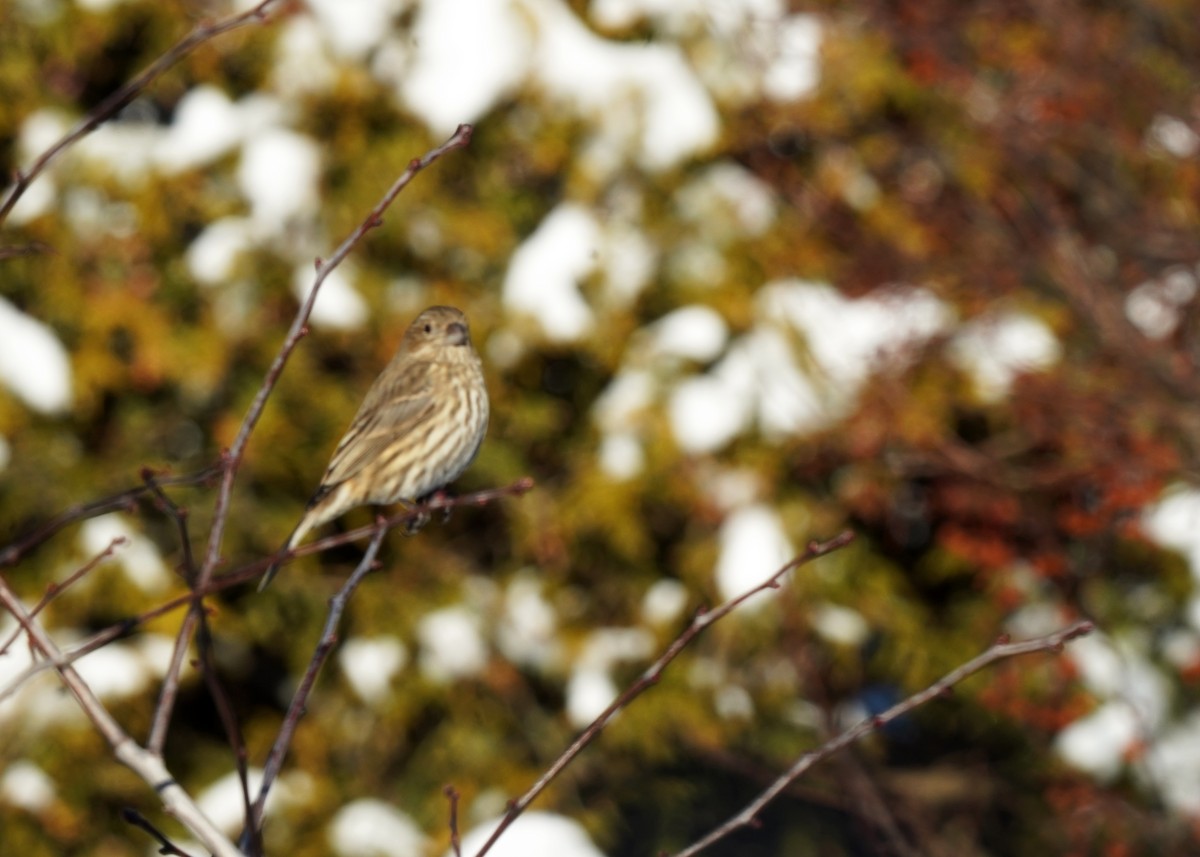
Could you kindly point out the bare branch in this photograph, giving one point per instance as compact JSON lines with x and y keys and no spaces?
{"x":248,"y":572}
{"x":229,"y":721}
{"x":123,"y":500}
{"x":109,"y":107}
{"x":1000,"y":651}
{"x":452,"y":797}
{"x":651,"y":676}
{"x":439,"y":502}
{"x":135,"y":818}
{"x":170,"y":686}
{"x":145,"y":764}
{"x":337,"y":606}
{"x":56,"y":589}
{"x":12,"y":251}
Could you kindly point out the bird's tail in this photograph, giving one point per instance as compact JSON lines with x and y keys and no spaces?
{"x":302,"y":528}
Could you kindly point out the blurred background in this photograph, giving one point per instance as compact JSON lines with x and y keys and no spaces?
{"x":743,"y":273}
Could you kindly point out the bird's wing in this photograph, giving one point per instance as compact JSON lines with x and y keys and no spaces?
{"x":392,"y":407}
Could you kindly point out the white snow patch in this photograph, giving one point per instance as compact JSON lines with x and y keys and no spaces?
{"x":354,"y":27}
{"x":339,"y":305}
{"x":301,"y":64}
{"x":125,"y":149}
{"x":644,"y":97}
{"x":452,"y":645}
{"x":621,"y":455}
{"x":222,"y":803}
{"x":545,"y":272}
{"x":733,"y":703}
{"x":207,"y":125}
{"x":1119,"y":668}
{"x":370,"y":664}
{"x":463,"y":58}
{"x":279,"y":174}
{"x":37,"y":199}
{"x":1173,"y":135}
{"x":727,"y":201}
{"x":1174,"y":522}
{"x":589,"y":691}
{"x":1173,"y":765}
{"x":527,"y":633}
{"x":753,"y":546}
{"x":760,"y":377}
{"x":27,"y":786}
{"x":138,"y":556}
{"x":533,"y":833}
{"x":994,"y":350}
{"x":590,"y":688}
{"x":115,"y":671}
{"x":708,"y":411}
{"x":664,"y":601}
{"x":845,"y":336}
{"x":34,"y":365}
{"x":214,"y":253}
{"x":629,"y":393}
{"x":692,"y":332}
{"x":373,"y":828}
{"x":1154,"y":307}
{"x":792,"y":52}
{"x":1097,"y":743}
{"x":840,"y":625}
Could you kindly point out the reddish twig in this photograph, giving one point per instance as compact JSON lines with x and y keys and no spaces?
{"x":12,"y":251}
{"x":110,"y":106}
{"x":329,"y":636}
{"x":998,"y":652}
{"x":651,"y":676}
{"x":439,"y":502}
{"x":55,"y":589}
{"x":113,"y":503}
{"x":248,"y":572}
{"x":176,"y":513}
{"x":165,"y":707}
{"x":452,"y":796}
{"x":229,"y":721}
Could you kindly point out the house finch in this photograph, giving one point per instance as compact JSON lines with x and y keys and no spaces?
{"x":418,"y":428}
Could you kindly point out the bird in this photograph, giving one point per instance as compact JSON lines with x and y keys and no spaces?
{"x":418,"y":428}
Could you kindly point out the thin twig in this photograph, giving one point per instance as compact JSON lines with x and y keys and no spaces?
{"x":110,"y":106}
{"x":229,"y":721}
{"x":132,"y":816}
{"x":439,"y":502}
{"x":1002,"y":650}
{"x":176,"y":513}
{"x":145,"y":764}
{"x":452,"y":797}
{"x":167,"y":694}
{"x":114,"y":502}
{"x":329,"y":636}
{"x":56,"y":589}
{"x":12,"y":251}
{"x":240,"y":575}
{"x":651,"y":676}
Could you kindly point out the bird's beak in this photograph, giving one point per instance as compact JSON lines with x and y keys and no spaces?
{"x":456,"y":333}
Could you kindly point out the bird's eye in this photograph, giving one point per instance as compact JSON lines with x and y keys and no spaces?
{"x":429,"y":328}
